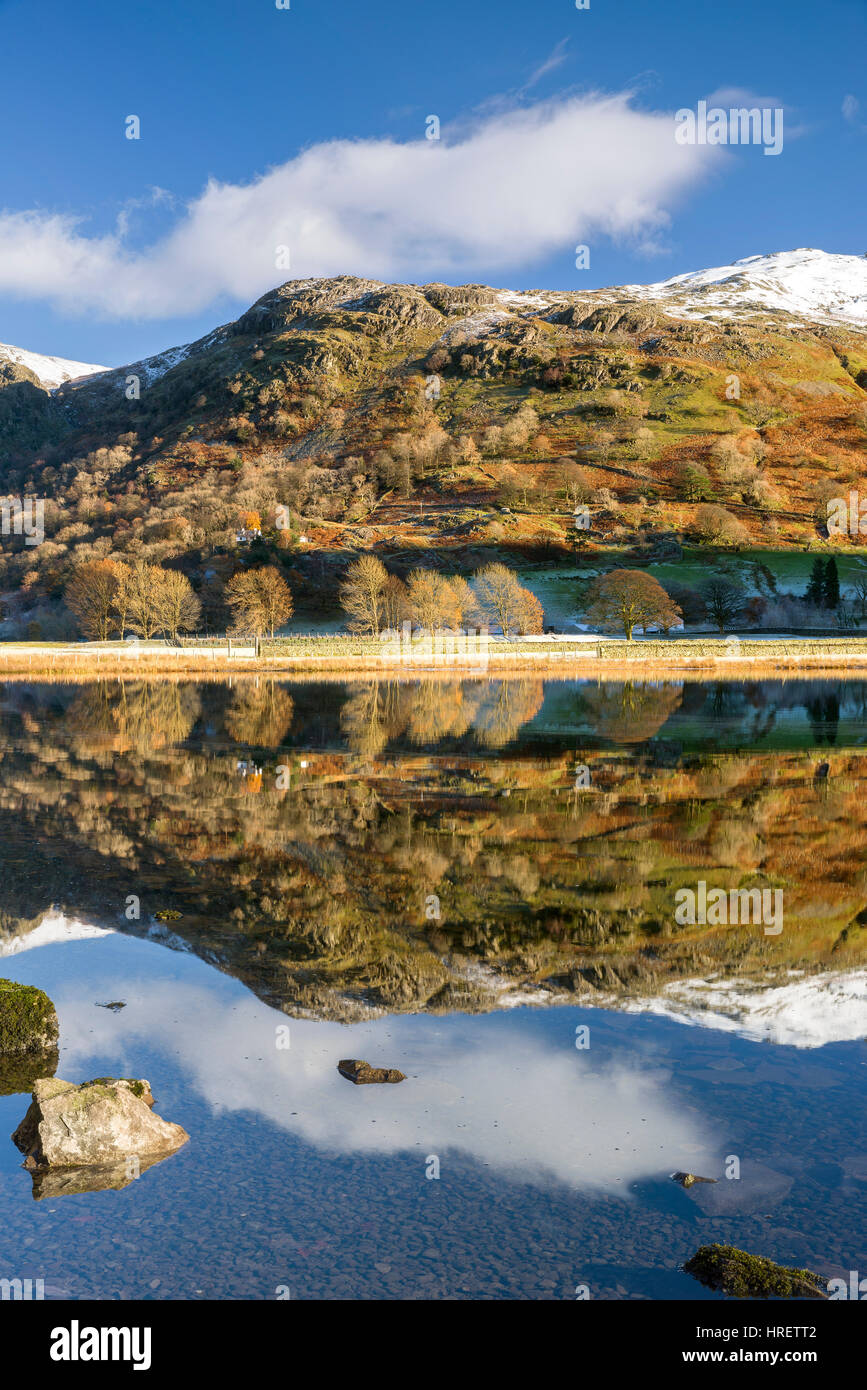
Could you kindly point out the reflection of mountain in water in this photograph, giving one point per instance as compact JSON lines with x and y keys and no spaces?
{"x":406,"y":846}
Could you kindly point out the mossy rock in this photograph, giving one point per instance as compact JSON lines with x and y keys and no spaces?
{"x":740,"y":1275}
{"x":28,"y":1020}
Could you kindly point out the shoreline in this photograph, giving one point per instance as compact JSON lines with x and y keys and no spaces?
{"x":699,"y":659}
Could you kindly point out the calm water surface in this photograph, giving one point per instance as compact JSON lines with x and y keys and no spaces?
{"x":421,"y":876}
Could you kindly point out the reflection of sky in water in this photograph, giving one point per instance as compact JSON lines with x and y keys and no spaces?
{"x":554,"y":1161}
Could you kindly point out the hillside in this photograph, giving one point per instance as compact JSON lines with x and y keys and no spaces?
{"x":443,"y":425}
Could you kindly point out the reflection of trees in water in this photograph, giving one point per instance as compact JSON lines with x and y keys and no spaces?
{"x":430,"y":711}
{"x":725,"y":701}
{"x":136,"y":714}
{"x":260,"y":714}
{"x":505,"y":706}
{"x":435,"y":710}
{"x":823,"y":712}
{"x":632,"y":711}
{"x":743,"y":711}
{"x":853,"y":699}
{"x":370,"y":716}
{"x":317,"y":897}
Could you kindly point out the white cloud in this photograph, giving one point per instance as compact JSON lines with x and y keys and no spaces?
{"x":489,"y":197}
{"x":555,"y":59}
{"x":851,"y":107}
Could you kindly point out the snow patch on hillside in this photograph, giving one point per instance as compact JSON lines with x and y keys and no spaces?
{"x":51,"y":371}
{"x":806,"y":284}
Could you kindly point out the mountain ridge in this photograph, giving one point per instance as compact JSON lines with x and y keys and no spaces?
{"x":753,"y":285}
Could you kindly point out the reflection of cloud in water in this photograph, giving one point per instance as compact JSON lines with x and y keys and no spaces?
{"x":501,"y":1093}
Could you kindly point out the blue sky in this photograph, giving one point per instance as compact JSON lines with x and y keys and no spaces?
{"x":309,"y":123}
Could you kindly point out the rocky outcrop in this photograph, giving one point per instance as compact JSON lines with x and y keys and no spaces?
{"x":734,"y":1272}
{"x":363,"y":1074}
{"x":28,"y":1020}
{"x":99,"y":1123}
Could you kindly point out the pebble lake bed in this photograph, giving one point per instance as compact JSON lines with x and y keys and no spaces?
{"x":555,"y":1163}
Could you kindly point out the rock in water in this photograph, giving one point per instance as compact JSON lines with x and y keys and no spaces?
{"x":28,"y":1020}
{"x":687,"y":1179}
{"x":99,"y":1122}
{"x":363,"y":1074}
{"x":741,"y":1275}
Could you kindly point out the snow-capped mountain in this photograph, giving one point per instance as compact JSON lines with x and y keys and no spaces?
{"x":803,"y":284}
{"x":51,"y":371}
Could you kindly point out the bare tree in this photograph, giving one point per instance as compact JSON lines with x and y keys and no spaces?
{"x":179,"y":608}
{"x":432,"y":601}
{"x":143,"y":590}
{"x":723,"y":601}
{"x":260,"y":599}
{"x":503,"y":600}
{"x":362,"y":594}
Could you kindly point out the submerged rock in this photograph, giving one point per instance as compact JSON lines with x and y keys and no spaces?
{"x":687,"y":1179}
{"x":101,"y":1123}
{"x":363,"y":1074}
{"x":734,"y":1272}
{"x":28,"y":1020}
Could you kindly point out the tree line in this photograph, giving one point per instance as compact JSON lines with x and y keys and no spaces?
{"x":110,"y":598}
{"x":375,"y":600}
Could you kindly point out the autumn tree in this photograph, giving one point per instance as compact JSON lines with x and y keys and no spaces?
{"x":432,"y":601}
{"x":531,"y":615}
{"x":179,"y":608}
{"x":90,"y":596}
{"x":466,"y":600}
{"x":628,"y":599}
{"x":143,"y":587}
{"x":576,"y":485}
{"x":503,"y":600}
{"x":395,"y":605}
{"x":260,"y":600}
{"x":362,"y":594}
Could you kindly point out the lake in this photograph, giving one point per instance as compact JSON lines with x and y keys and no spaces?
{"x":480,"y":883}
